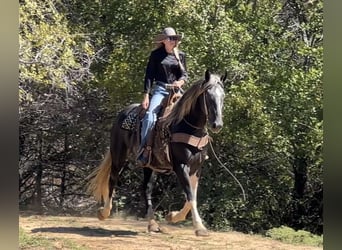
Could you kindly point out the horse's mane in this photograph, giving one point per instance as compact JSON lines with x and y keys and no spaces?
{"x":184,"y":105}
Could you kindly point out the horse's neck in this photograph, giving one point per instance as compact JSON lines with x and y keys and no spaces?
{"x":197,"y":116}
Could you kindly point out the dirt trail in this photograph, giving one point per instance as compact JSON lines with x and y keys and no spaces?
{"x":129,"y":234}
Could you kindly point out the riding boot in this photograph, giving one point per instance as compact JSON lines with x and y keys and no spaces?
{"x":145,"y":155}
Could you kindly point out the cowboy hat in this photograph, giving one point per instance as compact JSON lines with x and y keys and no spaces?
{"x":167,"y":32}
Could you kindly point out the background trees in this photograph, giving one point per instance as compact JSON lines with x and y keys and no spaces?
{"x":81,"y":61}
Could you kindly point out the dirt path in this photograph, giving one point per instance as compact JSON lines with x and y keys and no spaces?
{"x":128,"y":234}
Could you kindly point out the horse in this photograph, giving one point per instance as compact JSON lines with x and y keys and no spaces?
{"x":199,"y":108}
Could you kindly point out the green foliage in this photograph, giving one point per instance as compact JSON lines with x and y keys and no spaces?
{"x":291,"y":236}
{"x":49,"y":53}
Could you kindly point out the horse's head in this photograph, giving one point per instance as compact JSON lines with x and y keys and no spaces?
{"x":214,"y":96}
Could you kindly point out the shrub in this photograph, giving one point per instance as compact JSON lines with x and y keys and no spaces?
{"x":289,"y":235}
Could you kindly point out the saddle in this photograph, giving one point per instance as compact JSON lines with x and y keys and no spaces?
{"x":157,"y":145}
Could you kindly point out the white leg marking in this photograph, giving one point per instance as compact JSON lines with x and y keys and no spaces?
{"x":107,"y":207}
{"x":176,"y":216}
{"x":196,"y":219}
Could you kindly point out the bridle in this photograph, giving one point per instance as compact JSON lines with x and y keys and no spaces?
{"x":204,"y":93}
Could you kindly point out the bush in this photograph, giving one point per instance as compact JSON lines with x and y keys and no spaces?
{"x":289,"y":235}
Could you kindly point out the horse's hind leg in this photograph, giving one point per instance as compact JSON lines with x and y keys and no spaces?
{"x":104,"y":212}
{"x":118,"y":158}
{"x":99,"y":185}
{"x":177,"y":216}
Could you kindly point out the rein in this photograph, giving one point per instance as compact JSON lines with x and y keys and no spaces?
{"x":191,"y":125}
{"x":212,"y":149}
{"x":222,"y":165}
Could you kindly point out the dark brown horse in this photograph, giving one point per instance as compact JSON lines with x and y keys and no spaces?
{"x":199,"y":107}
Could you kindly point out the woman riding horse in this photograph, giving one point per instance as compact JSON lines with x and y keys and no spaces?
{"x":166,"y":66}
{"x":199,"y":108}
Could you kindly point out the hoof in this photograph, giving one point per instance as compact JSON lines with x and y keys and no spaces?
{"x":163,"y":230}
{"x":202,"y":232}
{"x":100,"y":215}
{"x":173,"y":218}
{"x":169,"y":216}
{"x":153,"y":227}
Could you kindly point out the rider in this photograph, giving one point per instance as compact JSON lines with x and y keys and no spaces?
{"x":166,"y":67}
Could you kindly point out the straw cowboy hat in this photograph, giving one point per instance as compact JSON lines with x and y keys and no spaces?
{"x":167,"y":32}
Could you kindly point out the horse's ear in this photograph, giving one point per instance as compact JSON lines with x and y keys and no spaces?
{"x":207,"y":75}
{"x":224,"y":77}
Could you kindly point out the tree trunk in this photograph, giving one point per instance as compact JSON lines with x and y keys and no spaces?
{"x":64,"y":171}
{"x":37,"y":197}
{"x":300,"y":182}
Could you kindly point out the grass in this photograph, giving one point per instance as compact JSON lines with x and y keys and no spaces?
{"x":289,"y":235}
{"x":27,"y":241}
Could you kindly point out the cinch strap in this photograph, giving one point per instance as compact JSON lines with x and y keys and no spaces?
{"x":198,"y":142}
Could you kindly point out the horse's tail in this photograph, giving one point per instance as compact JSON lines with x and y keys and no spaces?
{"x":98,"y":180}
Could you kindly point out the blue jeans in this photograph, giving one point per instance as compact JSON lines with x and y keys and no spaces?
{"x":150,"y":117}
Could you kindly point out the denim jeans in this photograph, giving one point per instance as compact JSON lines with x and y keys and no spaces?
{"x":150,"y":117}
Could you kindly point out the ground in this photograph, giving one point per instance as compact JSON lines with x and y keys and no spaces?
{"x":128,"y":234}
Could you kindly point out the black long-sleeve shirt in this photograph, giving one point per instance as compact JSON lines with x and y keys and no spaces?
{"x":164,"y":67}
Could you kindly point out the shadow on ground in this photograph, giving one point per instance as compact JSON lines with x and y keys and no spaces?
{"x":86,"y":231}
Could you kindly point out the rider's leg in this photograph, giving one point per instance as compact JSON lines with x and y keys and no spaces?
{"x":151,"y":116}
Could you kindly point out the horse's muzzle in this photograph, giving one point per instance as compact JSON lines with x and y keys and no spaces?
{"x":216,"y":127}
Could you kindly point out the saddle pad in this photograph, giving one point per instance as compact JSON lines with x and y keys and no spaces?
{"x":129,"y":123}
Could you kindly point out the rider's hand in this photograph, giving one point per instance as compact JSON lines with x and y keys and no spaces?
{"x":146,"y":101}
{"x":178,"y":84}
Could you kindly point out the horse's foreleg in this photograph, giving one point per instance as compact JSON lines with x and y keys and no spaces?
{"x":189,"y":184}
{"x":200,"y":229}
{"x":148,"y":188}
